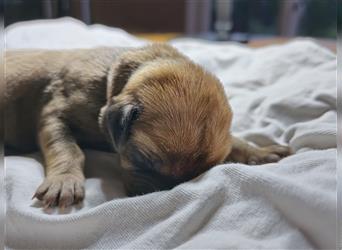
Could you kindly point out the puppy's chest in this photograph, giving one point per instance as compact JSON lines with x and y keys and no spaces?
{"x":92,"y":139}
{"x":82,"y":85}
{"x":83,"y":116}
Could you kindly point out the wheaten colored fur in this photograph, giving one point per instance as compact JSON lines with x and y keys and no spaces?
{"x":166,"y":117}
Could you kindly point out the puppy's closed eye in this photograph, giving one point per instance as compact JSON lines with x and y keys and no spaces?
{"x":119,"y":120}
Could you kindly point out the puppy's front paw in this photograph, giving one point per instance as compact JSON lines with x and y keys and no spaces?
{"x":268,"y":154}
{"x":61,"y":190}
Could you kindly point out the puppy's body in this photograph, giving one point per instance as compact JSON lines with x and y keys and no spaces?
{"x":75,"y":80}
{"x":165,"y":116}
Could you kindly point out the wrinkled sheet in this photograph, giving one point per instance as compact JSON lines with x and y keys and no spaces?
{"x":284,"y":94}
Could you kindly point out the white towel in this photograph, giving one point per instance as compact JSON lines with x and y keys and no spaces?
{"x":284,"y":94}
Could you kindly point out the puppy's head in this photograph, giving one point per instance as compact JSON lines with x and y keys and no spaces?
{"x":169,"y":123}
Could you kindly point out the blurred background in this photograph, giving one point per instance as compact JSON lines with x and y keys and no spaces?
{"x":257,"y":22}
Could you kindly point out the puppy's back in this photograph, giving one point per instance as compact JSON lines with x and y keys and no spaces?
{"x":27,"y":70}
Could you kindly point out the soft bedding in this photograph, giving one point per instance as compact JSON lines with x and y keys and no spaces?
{"x":284,"y":94}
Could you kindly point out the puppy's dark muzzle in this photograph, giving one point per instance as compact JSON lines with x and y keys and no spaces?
{"x":140,"y":183}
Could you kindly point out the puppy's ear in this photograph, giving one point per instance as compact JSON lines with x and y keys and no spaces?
{"x":119,"y":121}
{"x":119,"y":74}
{"x":128,"y":62}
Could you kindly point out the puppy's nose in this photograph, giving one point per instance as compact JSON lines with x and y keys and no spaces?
{"x":178,"y":170}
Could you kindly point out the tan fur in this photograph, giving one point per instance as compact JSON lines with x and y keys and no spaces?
{"x":173,"y":115}
{"x":191,"y":133}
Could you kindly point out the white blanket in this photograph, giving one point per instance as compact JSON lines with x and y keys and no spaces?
{"x":284,"y":94}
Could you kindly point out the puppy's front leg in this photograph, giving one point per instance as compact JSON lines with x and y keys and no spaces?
{"x":244,"y":153}
{"x":64,"y":160}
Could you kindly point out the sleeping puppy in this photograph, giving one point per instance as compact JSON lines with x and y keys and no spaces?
{"x":166,"y":117}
